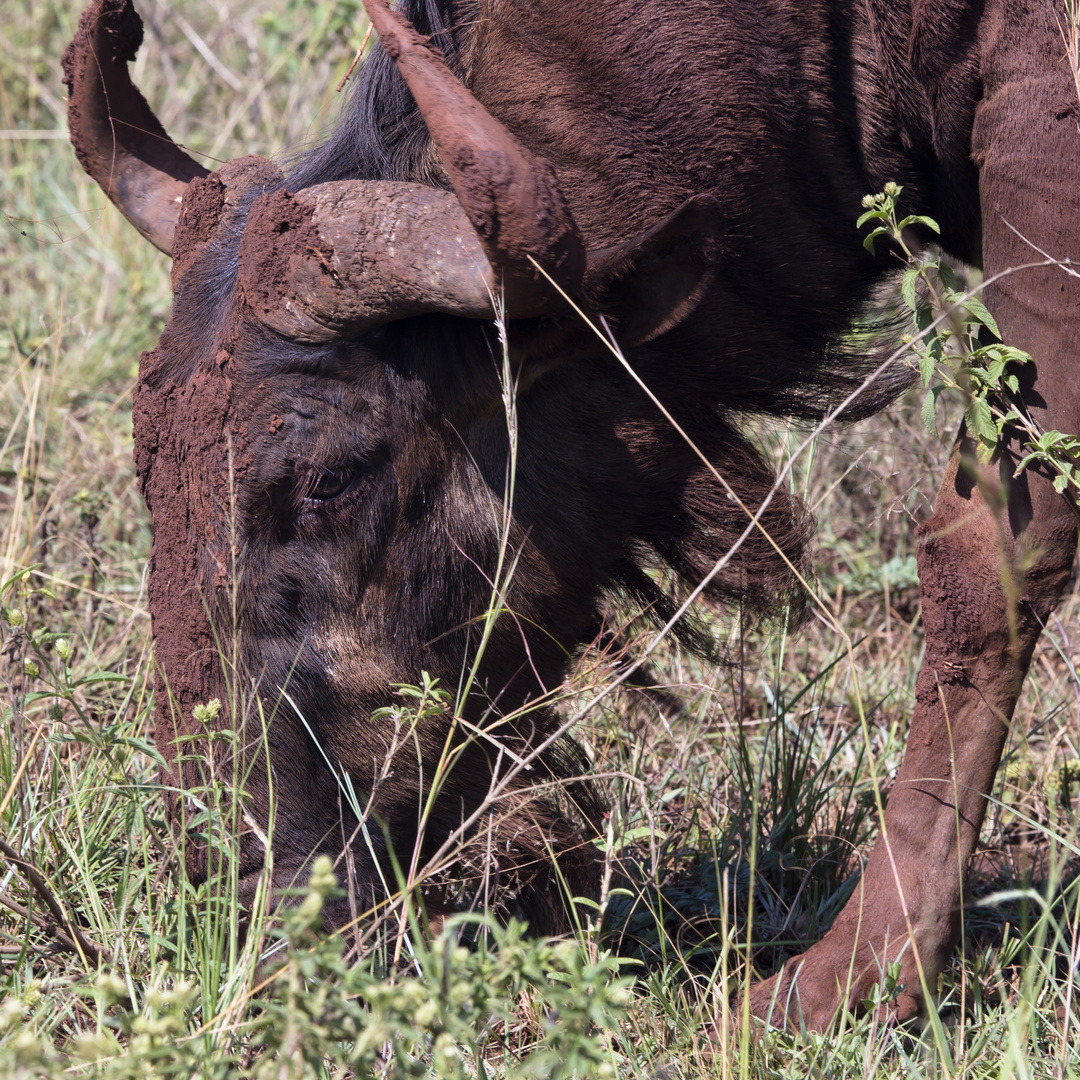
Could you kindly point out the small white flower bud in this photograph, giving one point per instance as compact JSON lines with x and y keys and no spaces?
{"x":207,"y":713}
{"x":322,"y":878}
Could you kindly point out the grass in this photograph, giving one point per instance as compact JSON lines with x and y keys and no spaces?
{"x":742,"y":798}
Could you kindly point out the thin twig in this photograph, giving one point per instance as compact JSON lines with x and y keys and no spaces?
{"x":355,"y":60}
{"x":63,"y":942}
{"x":33,"y":877}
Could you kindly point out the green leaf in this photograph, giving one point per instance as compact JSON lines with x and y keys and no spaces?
{"x":868,"y":243}
{"x":1015,"y":356}
{"x":948,"y":278}
{"x":37,"y":695}
{"x":981,"y":421}
{"x":907,"y":287}
{"x":977,"y":309}
{"x":630,"y":836}
{"x":102,"y":677}
{"x":928,"y":418}
{"x":141,"y":746}
{"x":919,"y":219}
{"x":18,"y":576}
{"x":975,"y":375}
{"x":927,"y":367}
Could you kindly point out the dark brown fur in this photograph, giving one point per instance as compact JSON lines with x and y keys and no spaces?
{"x":777,"y":117}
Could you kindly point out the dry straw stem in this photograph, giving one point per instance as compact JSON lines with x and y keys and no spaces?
{"x":1070,"y":34}
{"x":86,"y":948}
{"x":355,"y":60}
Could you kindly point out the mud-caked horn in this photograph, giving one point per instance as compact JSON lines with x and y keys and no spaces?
{"x":342,"y":258}
{"x":510,"y":197}
{"x":117,"y":138}
{"x":347,"y":256}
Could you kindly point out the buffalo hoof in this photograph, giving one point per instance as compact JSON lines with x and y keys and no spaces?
{"x":810,"y":991}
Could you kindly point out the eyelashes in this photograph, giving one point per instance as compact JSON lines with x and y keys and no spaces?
{"x":324,"y":488}
{"x":326,"y":485}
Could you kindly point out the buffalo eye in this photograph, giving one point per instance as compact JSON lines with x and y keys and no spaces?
{"x":327,"y":484}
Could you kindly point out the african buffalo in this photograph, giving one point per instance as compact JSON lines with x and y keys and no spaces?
{"x":322,"y":436}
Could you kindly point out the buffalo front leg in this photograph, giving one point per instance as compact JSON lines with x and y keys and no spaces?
{"x":992,"y":566}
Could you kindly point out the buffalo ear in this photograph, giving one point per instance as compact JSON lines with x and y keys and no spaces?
{"x":654,"y":281}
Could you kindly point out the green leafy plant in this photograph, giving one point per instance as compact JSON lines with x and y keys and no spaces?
{"x":951,"y":323}
{"x":317,"y":1014}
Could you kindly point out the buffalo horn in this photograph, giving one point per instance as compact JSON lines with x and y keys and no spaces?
{"x":117,"y":139}
{"x":510,"y":197}
{"x":345,"y":257}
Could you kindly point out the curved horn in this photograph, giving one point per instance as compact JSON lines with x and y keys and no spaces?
{"x":117,"y":139}
{"x":511,"y":197}
{"x":348,"y":256}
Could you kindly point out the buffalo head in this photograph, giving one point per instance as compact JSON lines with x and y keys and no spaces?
{"x":354,"y":479}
